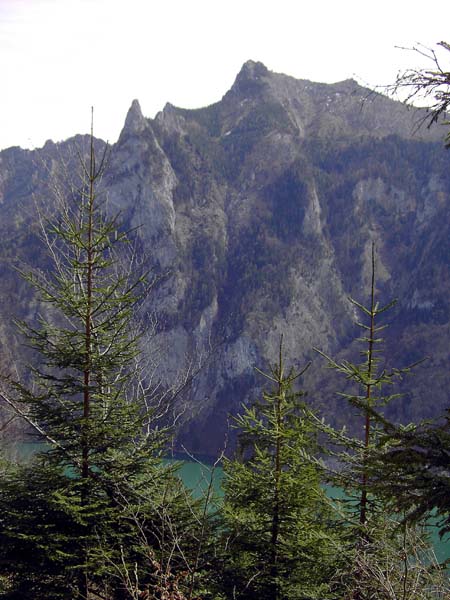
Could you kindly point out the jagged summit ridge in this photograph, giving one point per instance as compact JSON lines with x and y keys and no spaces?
{"x":307,"y":108}
{"x":135,"y":122}
{"x":261,"y":209}
{"x":251,"y":70}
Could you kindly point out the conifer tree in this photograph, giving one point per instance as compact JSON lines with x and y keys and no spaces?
{"x":370,"y":376}
{"x":373,"y":530}
{"x":69,"y":517}
{"x":414,"y":467}
{"x":278,"y":528}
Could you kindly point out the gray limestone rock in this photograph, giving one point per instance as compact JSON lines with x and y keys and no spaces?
{"x":259,"y":211}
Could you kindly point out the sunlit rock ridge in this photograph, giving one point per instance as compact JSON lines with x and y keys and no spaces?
{"x":263,"y":208}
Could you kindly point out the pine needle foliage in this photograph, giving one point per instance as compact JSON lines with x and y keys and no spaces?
{"x":69,"y":515}
{"x":374,"y":538}
{"x":371,"y":378}
{"x":280,"y":539}
{"x":413,"y":468}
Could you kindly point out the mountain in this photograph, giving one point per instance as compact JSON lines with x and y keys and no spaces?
{"x":262,"y":209}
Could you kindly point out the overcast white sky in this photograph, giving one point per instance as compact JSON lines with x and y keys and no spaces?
{"x":59,"y":57}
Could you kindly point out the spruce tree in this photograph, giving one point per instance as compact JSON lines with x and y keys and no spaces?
{"x":376,"y":538}
{"x":278,"y":528}
{"x":412,"y":467}
{"x":369,"y":378}
{"x":69,"y":518}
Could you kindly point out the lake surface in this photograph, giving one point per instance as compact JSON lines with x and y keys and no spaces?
{"x":196,"y":475}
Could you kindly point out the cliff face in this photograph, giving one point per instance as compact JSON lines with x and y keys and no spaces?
{"x":263,"y":208}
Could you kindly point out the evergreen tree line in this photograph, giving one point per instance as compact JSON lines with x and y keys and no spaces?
{"x":98,"y":513}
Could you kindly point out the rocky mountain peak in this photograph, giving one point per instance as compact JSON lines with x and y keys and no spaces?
{"x":171,"y":119}
{"x":135,"y":121}
{"x":262,"y":208}
{"x":349,"y":83}
{"x":250,"y":80}
{"x":252,"y":69}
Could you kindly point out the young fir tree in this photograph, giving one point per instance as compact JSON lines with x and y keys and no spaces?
{"x":414,"y":469}
{"x":370,"y":377}
{"x":69,"y":518}
{"x":377,"y":549}
{"x":280,"y":540}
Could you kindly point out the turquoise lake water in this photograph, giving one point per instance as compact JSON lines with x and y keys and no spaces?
{"x":197,"y":477}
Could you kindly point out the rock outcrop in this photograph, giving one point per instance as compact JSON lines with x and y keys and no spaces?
{"x":262,"y":209}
